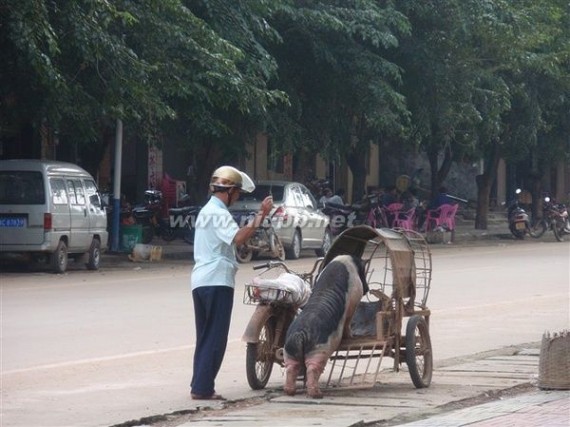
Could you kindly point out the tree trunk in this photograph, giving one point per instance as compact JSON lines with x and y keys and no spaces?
{"x":357,"y":163}
{"x":433,"y":166}
{"x":483,"y":196}
{"x":484,"y":183}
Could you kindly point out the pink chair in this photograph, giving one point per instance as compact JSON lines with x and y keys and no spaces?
{"x":406,"y":220}
{"x":449,"y":217}
{"x":391,"y":211}
{"x":444,"y":217}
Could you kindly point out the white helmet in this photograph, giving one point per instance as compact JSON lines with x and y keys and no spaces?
{"x":228,"y":177}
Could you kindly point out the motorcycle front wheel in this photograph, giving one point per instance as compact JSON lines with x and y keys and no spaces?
{"x":538,"y":229}
{"x":559,"y":230}
{"x":189,"y":236}
{"x":260,"y":356}
{"x":244,"y":254}
{"x":147,"y":234}
{"x":279,"y":248}
{"x":167,"y":234}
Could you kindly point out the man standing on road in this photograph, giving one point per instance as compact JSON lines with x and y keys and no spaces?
{"x":213,"y":275}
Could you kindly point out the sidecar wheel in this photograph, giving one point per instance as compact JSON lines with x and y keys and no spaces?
{"x":419,"y":357}
{"x":260,"y":357}
{"x":244,"y":254}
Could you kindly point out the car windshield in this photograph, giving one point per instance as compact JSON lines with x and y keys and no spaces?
{"x":262,"y":191}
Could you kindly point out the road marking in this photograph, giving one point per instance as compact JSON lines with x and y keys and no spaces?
{"x":499,"y":304}
{"x":104,"y":359}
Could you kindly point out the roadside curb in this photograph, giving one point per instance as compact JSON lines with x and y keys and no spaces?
{"x":460,"y":384}
{"x":176,"y":252}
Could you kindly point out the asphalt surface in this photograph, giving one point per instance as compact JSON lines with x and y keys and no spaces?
{"x":497,"y":388}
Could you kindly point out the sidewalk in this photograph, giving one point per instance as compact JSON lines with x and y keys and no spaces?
{"x":465,"y":234}
{"x":493,"y":390}
{"x":533,"y":409}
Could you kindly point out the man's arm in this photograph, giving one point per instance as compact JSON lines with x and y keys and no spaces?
{"x":248,"y":230}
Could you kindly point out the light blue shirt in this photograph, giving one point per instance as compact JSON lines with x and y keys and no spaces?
{"x":214,"y":251}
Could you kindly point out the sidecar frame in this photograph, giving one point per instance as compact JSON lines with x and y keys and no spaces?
{"x":398,"y":269}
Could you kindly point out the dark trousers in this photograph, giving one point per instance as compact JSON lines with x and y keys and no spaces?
{"x":212,"y":313}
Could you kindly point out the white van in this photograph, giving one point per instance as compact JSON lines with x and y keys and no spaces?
{"x":52,"y":209}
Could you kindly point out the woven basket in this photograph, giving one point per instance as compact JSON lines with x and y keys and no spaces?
{"x":554,"y":363}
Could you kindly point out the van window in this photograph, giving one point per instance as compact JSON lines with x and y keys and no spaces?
{"x":58,"y":193}
{"x":75,"y":191}
{"x":92,"y":193}
{"x":21,"y":188}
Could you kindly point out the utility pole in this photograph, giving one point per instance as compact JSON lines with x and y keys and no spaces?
{"x":117,"y":187}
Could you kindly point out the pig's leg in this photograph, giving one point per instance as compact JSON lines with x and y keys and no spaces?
{"x":292,"y":369}
{"x":315,"y":367}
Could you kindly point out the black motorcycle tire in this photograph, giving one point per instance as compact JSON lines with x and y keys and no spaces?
{"x":260,"y":356}
{"x":279,"y":248}
{"x":558,"y":229}
{"x":167,"y":234}
{"x":189,"y":236}
{"x":147,"y":234}
{"x":538,"y":229}
{"x":244,"y":254}
{"x":519,"y":234}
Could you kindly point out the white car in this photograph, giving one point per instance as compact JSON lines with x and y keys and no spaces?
{"x":296,"y":218}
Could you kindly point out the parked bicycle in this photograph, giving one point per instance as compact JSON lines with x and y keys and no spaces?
{"x":555,"y":218}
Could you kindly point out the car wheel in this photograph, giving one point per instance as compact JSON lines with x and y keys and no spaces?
{"x":58,"y":259}
{"x":327,"y":242}
{"x":294,"y":251}
{"x":94,"y":255}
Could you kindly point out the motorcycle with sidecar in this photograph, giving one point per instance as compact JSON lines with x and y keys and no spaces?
{"x":398,"y":271}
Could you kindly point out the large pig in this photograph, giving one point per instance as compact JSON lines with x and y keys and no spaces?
{"x":316,"y":332}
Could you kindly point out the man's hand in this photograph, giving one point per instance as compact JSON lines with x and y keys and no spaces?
{"x":247,"y":231}
{"x":266,"y":205}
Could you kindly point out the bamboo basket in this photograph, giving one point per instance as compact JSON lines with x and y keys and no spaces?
{"x":554,"y":362}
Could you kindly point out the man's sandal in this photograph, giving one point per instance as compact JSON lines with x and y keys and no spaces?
{"x":210,"y":397}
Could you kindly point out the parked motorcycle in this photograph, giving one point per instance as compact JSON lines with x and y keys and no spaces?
{"x":149,"y":215}
{"x":180,"y":224}
{"x":519,"y":221}
{"x":264,"y":242}
{"x":554,"y":217}
{"x":342,"y":216}
{"x":275,"y":310}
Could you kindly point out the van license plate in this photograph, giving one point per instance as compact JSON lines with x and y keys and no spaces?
{"x":12,"y":222}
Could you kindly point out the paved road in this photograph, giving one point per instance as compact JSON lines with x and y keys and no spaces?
{"x":99,"y":349}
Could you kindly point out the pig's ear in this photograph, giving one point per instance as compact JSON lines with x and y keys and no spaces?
{"x":361,"y":268}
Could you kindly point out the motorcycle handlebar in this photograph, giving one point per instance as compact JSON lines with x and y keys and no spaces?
{"x":271,"y":264}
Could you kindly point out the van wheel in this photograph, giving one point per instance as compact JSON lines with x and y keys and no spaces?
{"x":94,"y":255}
{"x":58,"y":259}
